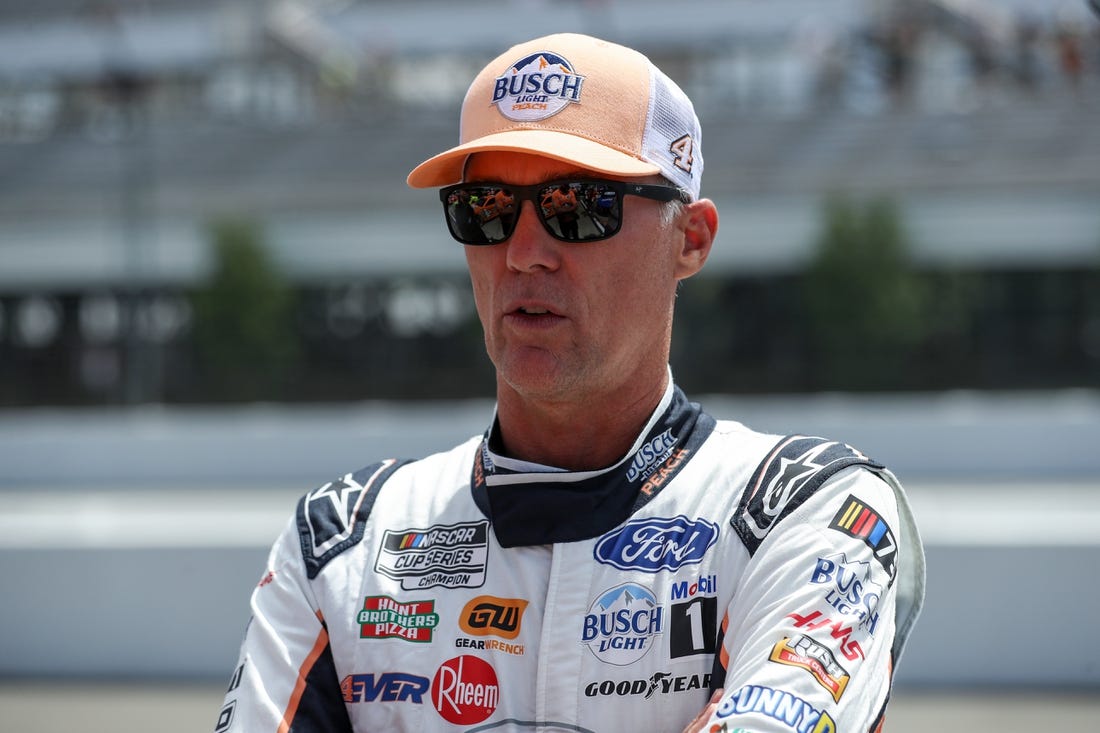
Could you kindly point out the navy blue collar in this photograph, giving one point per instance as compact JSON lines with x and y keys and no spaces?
{"x":544,"y":508}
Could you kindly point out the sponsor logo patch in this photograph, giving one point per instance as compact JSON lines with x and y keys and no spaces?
{"x":815,"y":620}
{"x":789,"y":475}
{"x":331,"y":511}
{"x":650,"y":454}
{"x":859,"y":520}
{"x":489,"y":615}
{"x":536,"y":87}
{"x":465,"y":690}
{"x":452,"y":556}
{"x":661,"y":475}
{"x":383,"y":617}
{"x":660,"y":683}
{"x":652,"y":545}
{"x":384,"y":687}
{"x":621,"y":624}
{"x":804,"y":652}
{"x":491,"y":645}
{"x":333,"y":518}
{"x":849,"y":588}
{"x":693,"y":624}
{"x":790,"y":710}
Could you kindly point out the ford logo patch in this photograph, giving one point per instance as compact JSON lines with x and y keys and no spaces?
{"x":651,"y":545}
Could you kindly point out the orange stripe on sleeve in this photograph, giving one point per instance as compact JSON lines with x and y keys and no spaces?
{"x":303,"y":673}
{"x":723,"y":655}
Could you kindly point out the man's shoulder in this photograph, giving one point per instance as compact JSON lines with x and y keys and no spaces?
{"x":333,"y":517}
{"x":786,"y":471}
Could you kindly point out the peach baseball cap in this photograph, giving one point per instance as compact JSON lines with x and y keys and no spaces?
{"x":578,"y":99}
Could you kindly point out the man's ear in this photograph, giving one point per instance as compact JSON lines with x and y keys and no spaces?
{"x":699,"y":221}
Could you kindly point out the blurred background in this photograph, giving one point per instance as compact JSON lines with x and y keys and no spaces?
{"x":216,"y":292}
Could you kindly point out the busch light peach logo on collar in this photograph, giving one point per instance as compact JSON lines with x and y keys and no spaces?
{"x":536,"y":87}
{"x":651,"y":545}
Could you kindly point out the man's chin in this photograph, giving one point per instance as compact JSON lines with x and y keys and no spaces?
{"x":536,"y":375}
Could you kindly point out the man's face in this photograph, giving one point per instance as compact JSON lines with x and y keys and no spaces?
{"x":566,"y":322}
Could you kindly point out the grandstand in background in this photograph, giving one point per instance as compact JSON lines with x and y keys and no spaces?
{"x":128,"y":126}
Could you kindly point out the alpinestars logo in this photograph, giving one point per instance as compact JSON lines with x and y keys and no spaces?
{"x":787,"y":479}
{"x":536,"y":87}
{"x":332,"y":509}
{"x":791,"y":473}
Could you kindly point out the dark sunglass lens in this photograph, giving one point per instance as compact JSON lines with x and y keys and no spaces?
{"x":580,"y":211}
{"x":605,"y":207}
{"x":561,"y":211}
{"x":481,"y":214}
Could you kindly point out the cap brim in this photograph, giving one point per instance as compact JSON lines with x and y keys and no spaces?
{"x":447,"y":167}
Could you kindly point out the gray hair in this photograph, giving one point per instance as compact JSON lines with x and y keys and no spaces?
{"x":670,"y":211}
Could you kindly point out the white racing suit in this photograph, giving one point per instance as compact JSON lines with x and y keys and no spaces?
{"x":467,"y":591}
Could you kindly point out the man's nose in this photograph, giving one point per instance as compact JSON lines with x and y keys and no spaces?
{"x":531,"y":247}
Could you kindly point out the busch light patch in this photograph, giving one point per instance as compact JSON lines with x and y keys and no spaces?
{"x":536,"y":87}
{"x":848,"y":588}
{"x":621,"y":624}
{"x":652,"y":545}
{"x":453,"y":556}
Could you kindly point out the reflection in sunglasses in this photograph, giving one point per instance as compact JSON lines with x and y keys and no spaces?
{"x":572,"y":210}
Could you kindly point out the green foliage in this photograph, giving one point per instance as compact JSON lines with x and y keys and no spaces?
{"x":865,"y":306}
{"x":244,"y":331}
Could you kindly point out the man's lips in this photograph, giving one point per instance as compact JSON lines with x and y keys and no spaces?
{"x":531,"y":307}
{"x":532,"y":314}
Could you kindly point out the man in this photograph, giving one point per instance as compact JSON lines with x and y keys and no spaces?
{"x":564,"y":202}
{"x":608,"y":557}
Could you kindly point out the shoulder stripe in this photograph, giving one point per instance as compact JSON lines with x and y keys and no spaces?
{"x":333,"y":518}
{"x":789,"y":475}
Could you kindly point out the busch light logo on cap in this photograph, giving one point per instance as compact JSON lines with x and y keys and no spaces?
{"x":536,"y":87}
{"x":650,"y":545}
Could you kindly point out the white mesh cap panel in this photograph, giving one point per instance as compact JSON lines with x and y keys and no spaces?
{"x":671,"y":117}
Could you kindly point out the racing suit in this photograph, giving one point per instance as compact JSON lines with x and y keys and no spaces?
{"x":469,"y":591}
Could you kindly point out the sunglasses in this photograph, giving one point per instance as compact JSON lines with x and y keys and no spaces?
{"x":574,"y":210}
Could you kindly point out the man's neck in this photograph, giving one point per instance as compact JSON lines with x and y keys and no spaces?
{"x":577,"y":434}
